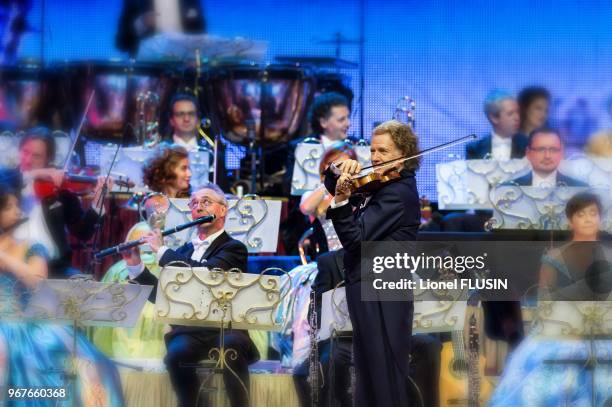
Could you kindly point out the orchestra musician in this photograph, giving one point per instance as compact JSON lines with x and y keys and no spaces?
{"x":545,"y":370}
{"x":314,"y":203}
{"x":329,"y":117}
{"x":52,"y":218}
{"x":168,"y":171}
{"x":184,"y":121}
{"x":30,"y":351}
{"x":545,"y":152}
{"x":212,"y":248}
{"x":381,"y":329}
{"x":503,"y":143}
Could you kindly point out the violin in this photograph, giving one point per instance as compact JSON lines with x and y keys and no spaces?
{"x":77,"y":184}
{"x":372,"y":182}
{"x":371,"y":179}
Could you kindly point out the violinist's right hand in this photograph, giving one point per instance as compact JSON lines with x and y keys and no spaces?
{"x":349,"y":167}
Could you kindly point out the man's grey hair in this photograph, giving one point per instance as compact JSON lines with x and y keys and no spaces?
{"x":218,"y":191}
{"x":492,"y":103}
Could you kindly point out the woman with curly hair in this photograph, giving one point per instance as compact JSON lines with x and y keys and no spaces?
{"x":168,"y":172}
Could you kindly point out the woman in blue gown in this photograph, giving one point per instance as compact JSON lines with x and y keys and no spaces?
{"x":33,"y":355}
{"x":547,"y":371}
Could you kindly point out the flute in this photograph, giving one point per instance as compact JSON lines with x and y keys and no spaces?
{"x":134,"y":243}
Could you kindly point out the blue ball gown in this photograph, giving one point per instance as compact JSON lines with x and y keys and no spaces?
{"x":34,"y":355}
{"x":530,"y":379}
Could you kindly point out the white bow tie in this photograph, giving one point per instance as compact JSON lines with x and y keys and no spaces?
{"x":197,"y":243}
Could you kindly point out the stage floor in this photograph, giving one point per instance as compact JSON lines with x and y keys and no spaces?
{"x":152,"y":388}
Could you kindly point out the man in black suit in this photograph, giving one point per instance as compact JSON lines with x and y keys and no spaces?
{"x":336,"y":363}
{"x":381,"y":329}
{"x":503,"y":143}
{"x":52,"y":217}
{"x":545,"y":152}
{"x":212,"y":248}
{"x":142,"y":18}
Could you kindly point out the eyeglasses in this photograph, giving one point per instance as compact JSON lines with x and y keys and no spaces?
{"x":543,"y":150}
{"x":204,"y":203}
{"x":180,"y":115}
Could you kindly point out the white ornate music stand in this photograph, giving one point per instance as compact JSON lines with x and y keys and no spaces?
{"x":308,"y":156}
{"x":465,"y":184}
{"x":430,"y":314}
{"x":520,"y":207}
{"x":594,"y":171}
{"x":252,"y":220}
{"x":84,"y":302}
{"x":220,"y":299}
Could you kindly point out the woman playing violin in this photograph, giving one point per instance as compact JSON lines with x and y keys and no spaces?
{"x":381,"y":329}
{"x":314,"y":203}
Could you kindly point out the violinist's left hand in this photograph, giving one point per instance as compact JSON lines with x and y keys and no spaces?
{"x":56,"y":176}
{"x":343,"y":188}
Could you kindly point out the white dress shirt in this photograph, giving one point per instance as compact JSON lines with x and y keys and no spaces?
{"x":199,"y":248}
{"x":189,"y":145}
{"x":501,"y":147}
{"x":548,"y":181}
{"x":327,"y":142}
{"x":333,"y":203}
{"x":35,"y":230}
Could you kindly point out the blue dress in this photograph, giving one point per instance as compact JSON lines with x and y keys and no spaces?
{"x":35,"y":356}
{"x":529,"y":379}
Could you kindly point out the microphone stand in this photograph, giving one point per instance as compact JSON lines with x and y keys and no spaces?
{"x":100,"y":222}
{"x":250,"y":124}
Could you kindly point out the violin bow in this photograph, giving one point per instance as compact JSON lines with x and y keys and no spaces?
{"x":395,"y":161}
{"x":78,"y":132}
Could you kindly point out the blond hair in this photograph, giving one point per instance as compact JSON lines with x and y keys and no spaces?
{"x":404,"y":138}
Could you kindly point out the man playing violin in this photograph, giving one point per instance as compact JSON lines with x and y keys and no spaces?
{"x":51,"y":218}
{"x":381,"y":330}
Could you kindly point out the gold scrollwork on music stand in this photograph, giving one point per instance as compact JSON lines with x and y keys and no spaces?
{"x":222,"y":287}
{"x":248,"y":220}
{"x":548,"y":204}
{"x":309,"y":163}
{"x":83,"y":302}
